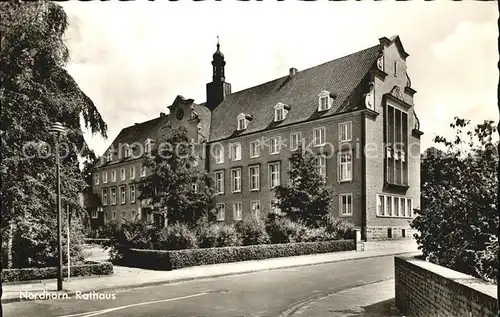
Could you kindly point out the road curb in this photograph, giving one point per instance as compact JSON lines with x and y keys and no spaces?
{"x":208,"y":276}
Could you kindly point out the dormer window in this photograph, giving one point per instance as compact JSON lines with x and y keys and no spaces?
{"x":194,"y":115}
{"x":280,"y":111}
{"x":148,"y":146}
{"x":127,"y":151}
{"x":243,"y":120}
{"x":325,"y":101}
{"x":109,"y":156}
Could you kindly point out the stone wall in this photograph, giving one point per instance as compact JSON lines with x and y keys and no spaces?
{"x":426,"y":289}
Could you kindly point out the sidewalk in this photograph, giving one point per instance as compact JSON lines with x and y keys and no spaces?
{"x":125,"y":277}
{"x":371,"y":300}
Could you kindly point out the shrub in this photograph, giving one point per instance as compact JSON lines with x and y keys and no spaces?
{"x":252,"y":230}
{"x":228,"y":236}
{"x":218,"y":235}
{"x":208,"y":235}
{"x":175,"y":237}
{"x":339,"y":228}
{"x":283,"y":230}
{"x":314,"y":235}
{"x":168,"y":260}
{"x":133,"y":234}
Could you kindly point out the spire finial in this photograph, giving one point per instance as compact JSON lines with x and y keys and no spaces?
{"x":218,"y":41}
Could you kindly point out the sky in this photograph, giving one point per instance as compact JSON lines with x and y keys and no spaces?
{"x":133,"y":58}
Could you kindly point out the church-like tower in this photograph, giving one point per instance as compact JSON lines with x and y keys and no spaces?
{"x":218,"y":89}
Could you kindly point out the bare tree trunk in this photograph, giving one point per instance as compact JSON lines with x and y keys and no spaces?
{"x":10,"y":243}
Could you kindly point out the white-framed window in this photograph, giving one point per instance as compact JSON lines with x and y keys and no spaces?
{"x":219,"y":154}
{"x":123,"y":215}
{"x":122,"y":174}
{"x":132,"y":193}
{"x":319,"y":136}
{"x":134,"y":215}
{"x":132,"y":172}
{"x":113,"y":215}
{"x":345,"y":131}
{"x":93,"y":214}
{"x":274,"y":145}
{"x":389,"y":205}
{"x":235,"y":151}
{"x":322,"y":165}
{"x":104,"y":177}
{"x":324,"y":101}
{"x":113,"y":196}
{"x":409,"y":207}
{"x":126,"y":151}
{"x":254,"y":149}
{"x":273,"y":206}
{"x":242,"y":122}
{"x":255,"y":207}
{"x":113,"y":175}
{"x":388,"y":152}
{"x":394,"y":206}
{"x":254,"y":177}
{"x":295,"y":139}
{"x":280,"y":112}
{"x":219,"y":182}
{"x":345,"y":203}
{"x":236,"y":180}
{"x":123,"y":194}
{"x":147,"y":148}
{"x":237,"y":211}
{"x":274,"y":174}
{"x":143,"y":170}
{"x":221,"y":211}
{"x":395,"y":69}
{"x":104,"y":196}
{"x":402,"y":155}
{"x":194,"y":187}
{"x":96,"y":179}
{"x":345,"y":166}
{"x":109,"y":156}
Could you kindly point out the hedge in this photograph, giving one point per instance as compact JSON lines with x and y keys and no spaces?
{"x":89,"y":268}
{"x":171,"y":260}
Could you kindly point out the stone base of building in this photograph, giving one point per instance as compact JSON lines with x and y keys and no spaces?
{"x":389,"y":233}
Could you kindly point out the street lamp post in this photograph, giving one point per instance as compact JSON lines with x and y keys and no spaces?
{"x":57,"y":129}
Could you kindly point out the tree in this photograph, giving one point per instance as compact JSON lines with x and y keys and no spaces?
{"x":36,"y":91}
{"x":170,"y":183}
{"x":459,"y":217}
{"x":306,"y":197}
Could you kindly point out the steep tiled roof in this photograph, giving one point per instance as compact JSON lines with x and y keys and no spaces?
{"x":341,"y":77}
{"x":138,"y":133}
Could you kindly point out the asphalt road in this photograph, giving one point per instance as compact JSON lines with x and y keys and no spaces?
{"x":269,"y":293}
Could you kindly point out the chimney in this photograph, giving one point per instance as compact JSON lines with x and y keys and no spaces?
{"x":162,"y":114}
{"x":293,"y":71}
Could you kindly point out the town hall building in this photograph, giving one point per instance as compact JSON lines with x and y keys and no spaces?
{"x":356,"y":113}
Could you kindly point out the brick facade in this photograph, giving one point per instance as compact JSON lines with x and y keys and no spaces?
{"x":428,"y":290}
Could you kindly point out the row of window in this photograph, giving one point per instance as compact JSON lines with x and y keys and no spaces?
{"x":123,"y":175}
{"x":281,"y":110}
{"x":276,"y":143}
{"x":127,"y":150}
{"x":274,"y":172}
{"x":394,"y":206}
{"x":123,"y":195}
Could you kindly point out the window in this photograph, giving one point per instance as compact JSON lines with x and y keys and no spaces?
{"x":325,"y":101}
{"x":96,"y":179}
{"x":113,"y":175}
{"x":194,"y":187}
{"x":242,"y":122}
{"x":254,"y":149}
{"x":397,"y":208}
{"x":394,"y":206}
{"x":132,"y":172}
{"x":134,"y":214}
{"x":113,"y":215}
{"x":396,"y":143}
{"x":123,"y":214}
{"x":280,"y":112}
{"x":236,"y":180}
{"x":113,"y":196}
{"x":126,"y":151}
{"x":380,"y":205}
{"x":345,"y":204}
{"x":148,"y":146}
{"x":319,"y":136}
{"x":104,"y":197}
{"x":274,"y":206}
{"x":295,"y":139}
{"x":389,"y":205}
{"x":409,"y":208}
{"x":143,"y":170}
{"x":109,"y":156}
{"x":254,"y":175}
{"x":93,"y":214}
{"x":219,"y":154}
{"x":322,"y":165}
{"x":123,"y":194}
{"x":221,"y":211}
{"x":132,"y":193}
{"x":395,"y":68}
{"x":122,"y":174}
{"x":235,"y":151}
{"x":255,"y":207}
{"x":219,"y":182}
{"x":237,"y":211}
{"x":274,"y":145}
{"x":345,"y":166}
{"x":345,"y":131}
{"x":105,"y":177}
{"x":274,"y":175}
